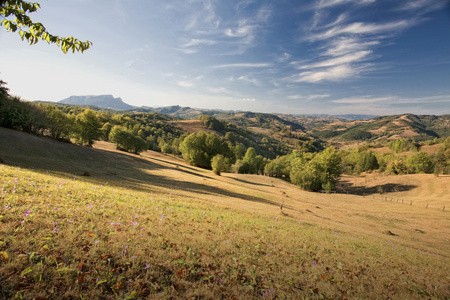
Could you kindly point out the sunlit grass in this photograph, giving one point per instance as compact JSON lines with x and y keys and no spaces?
{"x":65,"y":237}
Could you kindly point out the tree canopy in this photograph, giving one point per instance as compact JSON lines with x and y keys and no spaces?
{"x":16,"y":17}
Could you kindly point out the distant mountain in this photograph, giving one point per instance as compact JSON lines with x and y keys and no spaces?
{"x":104,"y":101}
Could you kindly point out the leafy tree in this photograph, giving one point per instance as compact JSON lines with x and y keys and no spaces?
{"x":317,"y":173}
{"x":88,"y":127}
{"x":3,"y":89}
{"x":420,"y":162}
{"x":31,"y":31}
{"x":126,"y":140}
{"x":401,"y":145}
{"x":211,"y":122}
{"x":219,"y":164}
{"x":193,"y":149}
{"x":59,"y":124}
{"x":367,"y":161}
{"x":397,"y":166}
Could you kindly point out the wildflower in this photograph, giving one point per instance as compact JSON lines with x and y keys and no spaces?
{"x":134,"y":223}
{"x":26,"y":213}
{"x":147,"y":266}
{"x":314,"y":263}
{"x":124,"y":251}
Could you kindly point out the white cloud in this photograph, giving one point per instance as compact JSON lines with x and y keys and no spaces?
{"x":364,"y":100}
{"x":246,"y":30}
{"x":331,"y":74}
{"x":308,"y":97}
{"x":424,"y":6}
{"x":330,"y":3}
{"x":249,"y":99}
{"x":358,"y":28}
{"x":249,"y":80}
{"x":244,"y":65}
{"x":185,"y":84}
{"x":283,"y":57}
{"x":345,"y":59}
{"x":218,"y":90}
{"x":202,"y":16}
{"x":344,"y":45}
{"x":199,"y":42}
{"x":395,"y":100}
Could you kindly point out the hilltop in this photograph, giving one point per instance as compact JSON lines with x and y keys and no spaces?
{"x":103,"y":101}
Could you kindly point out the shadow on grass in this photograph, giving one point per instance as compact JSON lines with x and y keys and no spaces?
{"x":346,"y":187}
{"x":117,"y":169}
{"x":249,"y":182}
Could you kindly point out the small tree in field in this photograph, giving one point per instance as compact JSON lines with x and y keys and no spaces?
{"x":220,"y":163}
{"x":126,"y":140}
{"x":88,"y":127}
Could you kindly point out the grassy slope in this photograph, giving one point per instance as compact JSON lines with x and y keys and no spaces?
{"x":234,"y":240}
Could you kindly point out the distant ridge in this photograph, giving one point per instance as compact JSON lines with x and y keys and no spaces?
{"x":104,"y":101}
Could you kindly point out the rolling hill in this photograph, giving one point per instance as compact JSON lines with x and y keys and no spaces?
{"x":97,"y":222}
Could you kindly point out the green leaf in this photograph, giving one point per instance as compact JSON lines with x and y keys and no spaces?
{"x":26,"y":271}
{"x":101,"y":282}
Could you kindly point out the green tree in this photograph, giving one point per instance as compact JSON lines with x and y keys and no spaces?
{"x":59,"y":124}
{"x":126,"y":140}
{"x":220,"y":163}
{"x":88,"y":127}
{"x":420,"y":162}
{"x":193,"y":149}
{"x":317,"y":173}
{"x":367,"y":161}
{"x":16,"y":17}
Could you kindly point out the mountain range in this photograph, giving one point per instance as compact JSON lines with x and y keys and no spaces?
{"x":103,"y":101}
{"x":336,"y":128}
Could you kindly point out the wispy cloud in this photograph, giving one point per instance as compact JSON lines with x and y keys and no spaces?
{"x":185,"y":84}
{"x":388,"y":105}
{"x":308,"y":97}
{"x":358,"y":28}
{"x":330,"y":3}
{"x":423,"y":6}
{"x":199,"y":42}
{"x":219,"y":90}
{"x":244,"y":65}
{"x":332,"y":74}
{"x":249,"y":79}
{"x":356,"y":56}
{"x":202,"y":16}
{"x":346,"y":46}
{"x":283,"y":57}
{"x":245,"y":31}
{"x":394,"y":100}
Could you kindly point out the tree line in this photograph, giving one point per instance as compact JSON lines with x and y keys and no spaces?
{"x":228,"y":148}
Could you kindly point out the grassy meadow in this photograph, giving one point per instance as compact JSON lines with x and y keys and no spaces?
{"x":153,"y":227}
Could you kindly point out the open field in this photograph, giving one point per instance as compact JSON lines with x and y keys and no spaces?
{"x":153,"y":226}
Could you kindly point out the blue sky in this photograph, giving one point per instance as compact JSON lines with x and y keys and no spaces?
{"x":377,"y":57}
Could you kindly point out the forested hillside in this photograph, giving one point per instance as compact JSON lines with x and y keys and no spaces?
{"x":307,"y":151}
